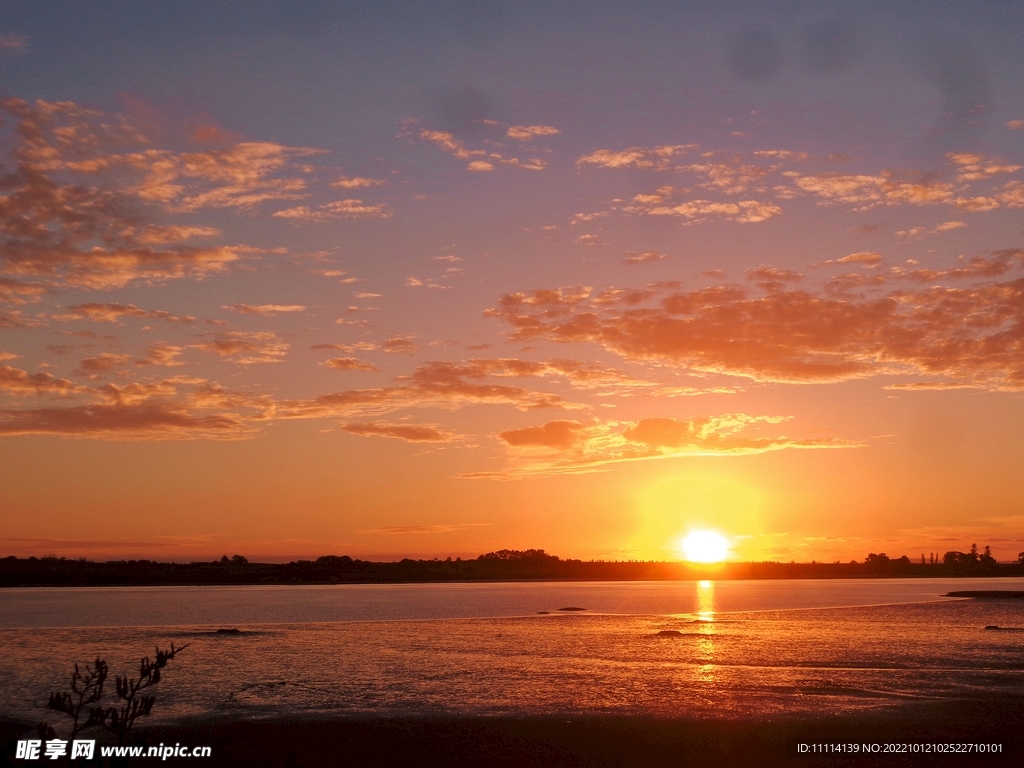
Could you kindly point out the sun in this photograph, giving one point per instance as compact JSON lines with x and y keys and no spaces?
{"x":705,"y":547}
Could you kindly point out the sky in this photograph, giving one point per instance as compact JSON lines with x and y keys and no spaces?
{"x":389,"y":279}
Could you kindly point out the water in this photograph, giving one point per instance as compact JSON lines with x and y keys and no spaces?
{"x":743,"y":649}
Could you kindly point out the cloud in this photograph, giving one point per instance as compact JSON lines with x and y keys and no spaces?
{"x":732,"y":178}
{"x":866,"y":191}
{"x":413,"y":433}
{"x":14,"y":381}
{"x":356,"y":182}
{"x":916,"y":233}
{"x":1012,"y":195}
{"x":18,"y":292}
{"x":399,"y":345}
{"x":660,"y":204}
{"x":528,"y":132}
{"x":967,"y":333}
{"x":339,"y":209}
{"x":113,"y":312}
{"x":176,"y":408}
{"x":977,"y":167}
{"x":861,"y":257}
{"x":246,"y":348}
{"x":11,"y":43}
{"x":162,"y":354}
{"x":85,"y":189}
{"x":399,"y":529}
{"x":567,"y":447}
{"x":264,"y":310}
{"x":348,"y":364}
{"x":1015,"y":125}
{"x":643,"y":258}
{"x":125,"y":422}
{"x":648,"y":158}
{"x":436,"y":384}
{"x":558,"y":434}
{"x":481,"y":160}
{"x":102,"y":363}
{"x":16,"y":320}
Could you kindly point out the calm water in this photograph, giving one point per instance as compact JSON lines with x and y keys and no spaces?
{"x":743,"y":649}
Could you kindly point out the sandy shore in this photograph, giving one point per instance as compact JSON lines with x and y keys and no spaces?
{"x":592,"y":741}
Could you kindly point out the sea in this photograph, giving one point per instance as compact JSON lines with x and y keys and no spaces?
{"x":676,"y":649}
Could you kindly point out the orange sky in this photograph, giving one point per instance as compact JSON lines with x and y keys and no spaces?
{"x":375,"y":283}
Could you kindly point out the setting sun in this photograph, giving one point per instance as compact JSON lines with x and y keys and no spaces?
{"x":705,"y":547}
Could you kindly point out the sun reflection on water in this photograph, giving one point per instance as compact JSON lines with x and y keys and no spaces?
{"x":706,"y":601}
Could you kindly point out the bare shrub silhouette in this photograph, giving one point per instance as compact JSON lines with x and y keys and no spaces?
{"x":132,"y":699}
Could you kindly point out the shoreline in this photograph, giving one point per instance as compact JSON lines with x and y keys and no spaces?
{"x":592,"y":740}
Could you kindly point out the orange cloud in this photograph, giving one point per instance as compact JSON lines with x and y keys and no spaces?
{"x":559,"y":434}
{"x":966,"y":333}
{"x":102,"y":363}
{"x":399,"y":345}
{"x":568,"y":447}
{"x":482,"y":160}
{"x":18,"y":292}
{"x":351,"y":209}
{"x":176,"y":408}
{"x":528,"y":132}
{"x":643,"y":258}
{"x":355,"y":182}
{"x":246,"y":348}
{"x":265,"y":310}
{"x":86,"y":187}
{"x":869,"y":191}
{"x":438,"y":384}
{"x":124,"y":422}
{"x":14,"y":381}
{"x":161,"y":354}
{"x":112,"y":312}
{"x":649,"y":158}
{"x":348,"y":364}
{"x":413,"y":433}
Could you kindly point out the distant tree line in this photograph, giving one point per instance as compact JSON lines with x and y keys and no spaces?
{"x":503,"y":565}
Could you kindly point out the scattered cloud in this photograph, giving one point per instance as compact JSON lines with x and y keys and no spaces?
{"x":976,"y":167}
{"x":480,"y":159}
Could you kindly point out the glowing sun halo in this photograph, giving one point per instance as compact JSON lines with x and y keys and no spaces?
{"x":705,"y":547}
